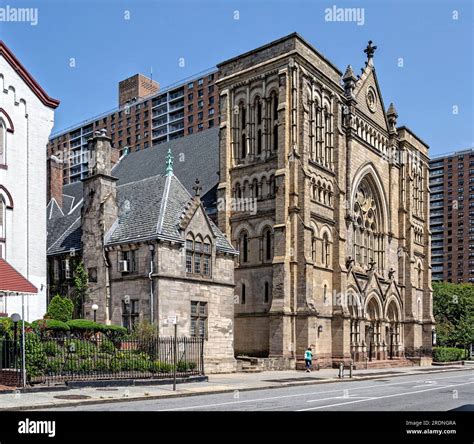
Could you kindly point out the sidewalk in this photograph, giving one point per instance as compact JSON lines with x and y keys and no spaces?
{"x":221,"y":383}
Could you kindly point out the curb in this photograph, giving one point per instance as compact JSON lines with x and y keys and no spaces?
{"x":95,"y":401}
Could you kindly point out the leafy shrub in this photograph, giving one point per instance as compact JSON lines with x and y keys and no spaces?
{"x":107,"y":346}
{"x":71,"y":365}
{"x":161,"y":367}
{"x":87,"y":366}
{"x":448,"y":354}
{"x":81,"y":348}
{"x":60,"y":309}
{"x":42,"y":325}
{"x":35,"y":355}
{"x":116,"y":365}
{"x":141,"y":365}
{"x":6,"y":328}
{"x":54,"y":366}
{"x":145,"y":332}
{"x":101,"y":366}
{"x":115,"y":332}
{"x":185,"y":366}
{"x":51,"y":348}
{"x":127,"y":363}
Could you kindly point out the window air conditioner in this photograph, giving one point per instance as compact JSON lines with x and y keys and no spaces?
{"x":124,"y":266}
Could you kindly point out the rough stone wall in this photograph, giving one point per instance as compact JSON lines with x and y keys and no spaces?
{"x":174,"y":289}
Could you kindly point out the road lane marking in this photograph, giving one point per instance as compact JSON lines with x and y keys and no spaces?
{"x":341,"y":397}
{"x":425,"y":384}
{"x":376,"y":398}
{"x":295,"y":395}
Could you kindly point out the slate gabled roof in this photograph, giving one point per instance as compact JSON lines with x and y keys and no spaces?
{"x":64,"y":233}
{"x":153,"y":208}
{"x":195,"y":156}
{"x":149,"y":205}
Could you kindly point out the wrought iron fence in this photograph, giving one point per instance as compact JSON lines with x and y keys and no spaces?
{"x":10,"y":362}
{"x":58,"y":359}
{"x":10,"y":353}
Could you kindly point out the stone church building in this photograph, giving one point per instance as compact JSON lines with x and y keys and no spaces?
{"x":327,"y":200}
{"x":150,"y":249}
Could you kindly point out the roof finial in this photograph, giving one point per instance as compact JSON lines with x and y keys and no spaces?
{"x":370,"y":51}
{"x":197,"y":188}
{"x":169,"y":163}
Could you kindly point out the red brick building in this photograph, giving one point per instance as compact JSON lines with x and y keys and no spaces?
{"x":452,"y":216}
{"x":146,"y":116}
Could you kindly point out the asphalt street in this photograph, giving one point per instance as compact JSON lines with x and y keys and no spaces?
{"x":432,"y":392}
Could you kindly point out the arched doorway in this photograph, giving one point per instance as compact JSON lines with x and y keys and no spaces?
{"x":356,"y":322}
{"x":372,"y":334}
{"x":393,"y":333}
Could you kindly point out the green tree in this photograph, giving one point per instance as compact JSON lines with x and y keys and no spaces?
{"x":60,"y":309}
{"x":453,"y":309}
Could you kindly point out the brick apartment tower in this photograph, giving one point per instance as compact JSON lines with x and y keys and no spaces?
{"x":452,"y":216}
{"x":146,"y":116}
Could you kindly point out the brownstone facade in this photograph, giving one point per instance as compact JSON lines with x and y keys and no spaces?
{"x":327,"y":202}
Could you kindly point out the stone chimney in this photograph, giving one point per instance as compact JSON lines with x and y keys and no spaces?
{"x":99,"y":212}
{"x":55,"y":180}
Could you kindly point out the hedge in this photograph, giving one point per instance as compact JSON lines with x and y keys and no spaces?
{"x":114,"y":332}
{"x":84,"y":325}
{"x":50,"y":324}
{"x":448,"y":354}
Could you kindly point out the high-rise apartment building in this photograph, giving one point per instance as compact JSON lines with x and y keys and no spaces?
{"x":452,"y":216}
{"x":146,"y":116}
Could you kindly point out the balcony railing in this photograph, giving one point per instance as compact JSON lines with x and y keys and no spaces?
{"x":176,"y":95}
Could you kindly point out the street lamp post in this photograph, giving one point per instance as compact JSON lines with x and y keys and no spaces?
{"x":15,"y":319}
{"x":95,"y":307}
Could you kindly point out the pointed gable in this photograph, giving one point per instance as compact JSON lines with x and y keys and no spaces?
{"x":369,"y":97}
{"x":27,"y":77}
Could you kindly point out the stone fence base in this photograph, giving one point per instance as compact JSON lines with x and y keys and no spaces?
{"x":245,"y":363}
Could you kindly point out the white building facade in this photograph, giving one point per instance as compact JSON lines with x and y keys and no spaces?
{"x":26,"y":120}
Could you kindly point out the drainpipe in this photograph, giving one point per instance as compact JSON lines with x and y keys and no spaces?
{"x":150,"y":277}
{"x":108,"y":299}
{"x":27,"y":214}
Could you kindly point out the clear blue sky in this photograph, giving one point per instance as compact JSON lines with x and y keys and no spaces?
{"x":437,"y":51}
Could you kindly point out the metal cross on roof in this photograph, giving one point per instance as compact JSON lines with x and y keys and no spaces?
{"x":169,"y":163}
{"x":370,"y":50}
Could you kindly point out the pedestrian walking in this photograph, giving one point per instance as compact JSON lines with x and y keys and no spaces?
{"x":308,"y":357}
